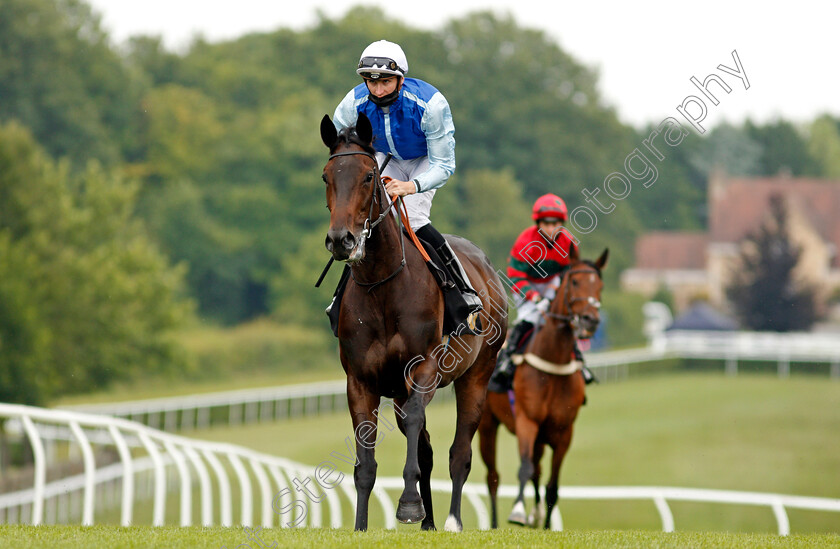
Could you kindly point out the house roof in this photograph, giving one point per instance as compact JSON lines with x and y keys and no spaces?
{"x":737,"y":206}
{"x":671,"y":250}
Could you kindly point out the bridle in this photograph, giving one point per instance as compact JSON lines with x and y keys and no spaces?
{"x":573,"y":320}
{"x":371,"y":224}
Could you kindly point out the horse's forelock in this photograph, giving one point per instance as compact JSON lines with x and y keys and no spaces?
{"x":350,"y":137}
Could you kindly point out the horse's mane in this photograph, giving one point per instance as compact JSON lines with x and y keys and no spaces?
{"x":349,"y":136}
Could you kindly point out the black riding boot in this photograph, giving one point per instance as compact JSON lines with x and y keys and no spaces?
{"x":502,"y":377}
{"x":453,"y":265}
{"x":462,"y":301}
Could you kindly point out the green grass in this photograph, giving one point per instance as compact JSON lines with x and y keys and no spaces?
{"x":58,"y":537}
{"x":752,"y":433}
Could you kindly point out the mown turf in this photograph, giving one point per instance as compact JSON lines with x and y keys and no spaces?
{"x":73,"y":537}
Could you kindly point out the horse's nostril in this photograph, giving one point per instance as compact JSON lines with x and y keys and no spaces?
{"x":348,"y":242}
{"x":328,"y":243}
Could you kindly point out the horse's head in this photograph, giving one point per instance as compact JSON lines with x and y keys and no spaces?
{"x":578,"y":299}
{"x":351,"y":176}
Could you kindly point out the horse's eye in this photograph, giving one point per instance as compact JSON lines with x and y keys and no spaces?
{"x":369,"y":177}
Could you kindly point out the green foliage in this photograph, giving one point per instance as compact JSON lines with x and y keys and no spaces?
{"x":624,"y":319}
{"x":665,"y":296}
{"x":784,"y":149}
{"x":87,"y":298}
{"x":61,"y":79}
{"x":521,"y":102}
{"x":764,"y":290}
{"x":259,"y":347}
{"x":487,"y":207}
{"x":729,"y":148}
{"x":824,"y":145}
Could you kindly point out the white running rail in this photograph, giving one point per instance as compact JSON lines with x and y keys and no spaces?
{"x":163,"y":463}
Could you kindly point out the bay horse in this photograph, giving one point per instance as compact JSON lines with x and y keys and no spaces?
{"x":390,"y":329}
{"x":548,"y":389}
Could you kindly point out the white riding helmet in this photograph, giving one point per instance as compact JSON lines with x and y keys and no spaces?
{"x":380,"y":58}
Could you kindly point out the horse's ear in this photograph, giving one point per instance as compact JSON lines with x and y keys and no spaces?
{"x":602,"y":261}
{"x":573,"y":252}
{"x":329,"y":135}
{"x":363,"y":129}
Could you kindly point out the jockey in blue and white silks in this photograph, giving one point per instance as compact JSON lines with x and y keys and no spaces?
{"x":417,"y":129}
{"x":412,"y":120}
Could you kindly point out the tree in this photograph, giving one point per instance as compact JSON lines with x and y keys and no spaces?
{"x":783,"y":149}
{"x":490,"y":211}
{"x":764,"y":290}
{"x":730,"y":148}
{"x":85,"y":297}
{"x":824,"y":145}
{"x":61,"y":79}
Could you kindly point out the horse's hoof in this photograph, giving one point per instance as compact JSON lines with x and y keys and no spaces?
{"x":517,"y":514}
{"x":411,"y":513}
{"x":453,"y":524}
{"x":536,"y":516}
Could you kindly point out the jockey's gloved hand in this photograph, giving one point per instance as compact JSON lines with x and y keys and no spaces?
{"x":533,"y":295}
{"x":543,"y":305}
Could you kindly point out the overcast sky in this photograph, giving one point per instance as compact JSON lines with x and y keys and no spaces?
{"x":645,"y":51}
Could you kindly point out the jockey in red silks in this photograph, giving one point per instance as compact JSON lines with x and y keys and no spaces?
{"x":537,"y":261}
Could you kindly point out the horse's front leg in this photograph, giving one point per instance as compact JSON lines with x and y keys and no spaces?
{"x":363,"y":403}
{"x":551,"y":489}
{"x":538,"y":512}
{"x":526,"y":434}
{"x":410,"y":508}
{"x":426,"y":459}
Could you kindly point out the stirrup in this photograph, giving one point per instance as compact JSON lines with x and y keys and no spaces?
{"x":473,"y":322}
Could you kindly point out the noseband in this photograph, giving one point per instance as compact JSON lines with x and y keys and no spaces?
{"x":370,"y":225}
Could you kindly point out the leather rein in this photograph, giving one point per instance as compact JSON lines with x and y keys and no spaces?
{"x":572,"y":319}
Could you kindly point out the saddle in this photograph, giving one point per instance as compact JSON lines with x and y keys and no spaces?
{"x":456,"y":315}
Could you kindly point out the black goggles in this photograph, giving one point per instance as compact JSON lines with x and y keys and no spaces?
{"x":374,"y":63}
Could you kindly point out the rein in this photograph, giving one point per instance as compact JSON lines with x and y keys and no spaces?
{"x":370,"y":225}
{"x":572,"y":319}
{"x":574,"y":365}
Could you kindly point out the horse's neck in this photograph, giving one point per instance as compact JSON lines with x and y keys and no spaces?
{"x":553,"y":345}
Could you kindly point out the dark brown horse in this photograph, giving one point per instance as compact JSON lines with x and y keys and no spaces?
{"x":548,"y":389}
{"x":390,"y":328}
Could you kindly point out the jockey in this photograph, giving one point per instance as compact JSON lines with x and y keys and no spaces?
{"x":412,"y":121}
{"x":537,"y":261}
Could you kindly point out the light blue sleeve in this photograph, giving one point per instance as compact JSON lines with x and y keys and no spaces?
{"x":439,"y":128}
{"x":346,"y":113}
